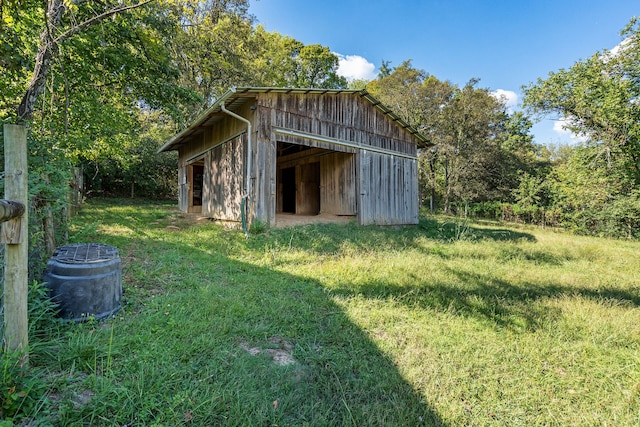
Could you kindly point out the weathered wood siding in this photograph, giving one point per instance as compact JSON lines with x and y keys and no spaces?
{"x":262,"y":197}
{"x":183,"y":188}
{"x":388,"y":189}
{"x":370,"y":170}
{"x":338,"y":184}
{"x":345,"y":117}
{"x":382,"y":188}
{"x":308,"y":188}
{"x":224,"y":172}
{"x":226,"y":129}
{"x":223,"y":149}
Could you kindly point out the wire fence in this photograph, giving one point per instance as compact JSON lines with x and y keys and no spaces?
{"x":2,"y":293}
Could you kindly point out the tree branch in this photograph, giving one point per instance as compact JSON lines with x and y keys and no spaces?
{"x":47,"y":49}
{"x":98,"y":18}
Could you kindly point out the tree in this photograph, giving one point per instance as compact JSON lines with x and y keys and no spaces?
{"x":596,"y":188}
{"x":211,"y":51}
{"x":413,"y":94}
{"x":55,"y":31}
{"x":470,"y":148}
{"x":475,"y":149}
{"x":282,"y":61}
{"x":594,"y":195}
{"x":83,"y":87}
{"x":598,"y":97}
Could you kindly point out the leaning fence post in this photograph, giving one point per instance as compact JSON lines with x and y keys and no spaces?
{"x":16,"y":240}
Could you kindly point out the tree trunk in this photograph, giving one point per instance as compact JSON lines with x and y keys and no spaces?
{"x":55,"y":11}
{"x":48,"y":46}
{"x":447,"y":187}
{"x":432,"y":201}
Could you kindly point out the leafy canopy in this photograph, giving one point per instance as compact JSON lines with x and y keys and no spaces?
{"x":599,"y":97}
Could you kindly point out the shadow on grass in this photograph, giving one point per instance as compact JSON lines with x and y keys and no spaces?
{"x":480,"y":295}
{"x":330,"y":238}
{"x":208,"y":340}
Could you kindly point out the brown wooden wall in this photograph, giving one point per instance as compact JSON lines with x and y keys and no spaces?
{"x":262,"y":199}
{"x":183,"y":188}
{"x":344,"y":116}
{"x":387,"y":189}
{"x":382,"y":188}
{"x":224,"y":172}
{"x":379,"y":184}
{"x":222,"y":149}
{"x":338,"y":184}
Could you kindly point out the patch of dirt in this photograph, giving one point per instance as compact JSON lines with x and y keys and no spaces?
{"x":83,"y":398}
{"x":290,"y":220}
{"x":281,"y":355}
{"x":282,"y":220}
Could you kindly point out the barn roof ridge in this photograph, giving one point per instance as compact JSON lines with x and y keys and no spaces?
{"x":235,"y":92}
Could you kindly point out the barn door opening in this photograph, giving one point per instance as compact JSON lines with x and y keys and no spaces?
{"x":308,"y":194}
{"x":197,"y":181}
{"x":289,"y":190}
{"x":312,"y":181}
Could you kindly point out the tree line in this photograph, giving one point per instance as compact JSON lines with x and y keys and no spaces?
{"x":102,"y":84}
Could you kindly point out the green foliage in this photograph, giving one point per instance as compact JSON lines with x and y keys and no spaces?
{"x":415,"y":95}
{"x":18,"y":28}
{"x":259,"y":227}
{"x":529,"y":192}
{"x":21,"y":386}
{"x":599,"y":99}
{"x":447,"y":323}
{"x":282,"y":61}
{"x":595,"y":195}
{"x":136,"y":169}
{"x":476,"y":150}
{"x":19,"y":391}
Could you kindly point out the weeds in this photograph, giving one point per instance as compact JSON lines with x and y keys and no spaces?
{"x":19,"y":391}
{"x":441,"y":324}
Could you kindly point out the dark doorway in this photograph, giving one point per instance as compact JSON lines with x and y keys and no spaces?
{"x":289,"y":190}
{"x":198,"y":180}
{"x":308,"y":196}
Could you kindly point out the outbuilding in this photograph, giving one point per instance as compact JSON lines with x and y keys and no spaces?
{"x":257,"y":153}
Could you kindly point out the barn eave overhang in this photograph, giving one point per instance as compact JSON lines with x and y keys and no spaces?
{"x":234,"y":98}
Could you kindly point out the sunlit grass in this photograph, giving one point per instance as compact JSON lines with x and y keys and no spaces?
{"x":445,"y":323}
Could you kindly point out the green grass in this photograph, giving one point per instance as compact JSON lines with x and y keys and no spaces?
{"x":445,"y":323}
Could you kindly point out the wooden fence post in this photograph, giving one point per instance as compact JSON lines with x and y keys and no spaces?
{"x":16,"y":252}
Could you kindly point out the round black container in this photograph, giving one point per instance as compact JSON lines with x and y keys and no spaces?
{"x":85,"y":280}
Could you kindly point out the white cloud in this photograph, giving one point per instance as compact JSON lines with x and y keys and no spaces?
{"x":354,"y":67}
{"x":561,"y":127}
{"x":509,"y":97}
{"x":621,"y":47}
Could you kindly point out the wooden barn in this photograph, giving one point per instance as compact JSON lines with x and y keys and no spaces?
{"x":271,"y":151}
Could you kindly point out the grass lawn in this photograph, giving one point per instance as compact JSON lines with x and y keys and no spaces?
{"x":444,"y":323}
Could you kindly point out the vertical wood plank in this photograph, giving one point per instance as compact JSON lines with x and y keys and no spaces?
{"x":16,"y":255}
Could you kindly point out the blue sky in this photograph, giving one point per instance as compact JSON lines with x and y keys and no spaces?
{"x":506,"y":44}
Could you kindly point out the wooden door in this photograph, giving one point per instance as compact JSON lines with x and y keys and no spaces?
{"x":308,"y":194}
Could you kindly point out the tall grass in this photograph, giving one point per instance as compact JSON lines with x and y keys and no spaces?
{"x":445,"y":323}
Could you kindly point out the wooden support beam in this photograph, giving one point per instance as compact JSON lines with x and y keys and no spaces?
{"x":16,"y":253}
{"x":10,"y":213}
{"x":10,"y":210}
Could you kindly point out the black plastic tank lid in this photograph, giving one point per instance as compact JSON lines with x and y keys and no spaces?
{"x":83,"y":253}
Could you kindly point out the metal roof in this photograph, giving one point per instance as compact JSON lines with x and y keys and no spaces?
{"x":234,"y":98}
